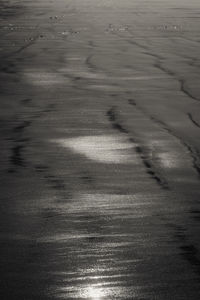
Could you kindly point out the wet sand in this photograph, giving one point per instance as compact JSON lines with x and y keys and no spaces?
{"x":100,"y":150}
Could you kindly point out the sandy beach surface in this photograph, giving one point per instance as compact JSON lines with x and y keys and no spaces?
{"x":100,"y":149}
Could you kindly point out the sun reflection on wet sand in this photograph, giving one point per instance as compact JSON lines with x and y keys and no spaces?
{"x":94,"y":293}
{"x":100,"y":291}
{"x":103,"y":148}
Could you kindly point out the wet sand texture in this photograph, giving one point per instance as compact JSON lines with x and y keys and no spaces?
{"x":100,"y":149}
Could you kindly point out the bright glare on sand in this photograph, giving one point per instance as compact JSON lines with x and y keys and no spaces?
{"x":103,"y":148}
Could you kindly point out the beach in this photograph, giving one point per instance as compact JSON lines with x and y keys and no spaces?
{"x":100,"y":149}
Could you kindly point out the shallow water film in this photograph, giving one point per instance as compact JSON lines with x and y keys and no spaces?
{"x":100,"y":149}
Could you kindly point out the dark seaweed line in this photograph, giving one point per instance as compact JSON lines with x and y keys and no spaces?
{"x":187,"y":39}
{"x":145,"y":48}
{"x":21,"y":48}
{"x":186,"y":91}
{"x":182,"y":82}
{"x":192,"y":119}
{"x":89,"y":63}
{"x":22,"y":126}
{"x":194,"y":62}
{"x":92,"y":44}
{"x":150,"y":168}
{"x":54,"y":182}
{"x":112,"y":115}
{"x":91,"y":66}
{"x":194,"y":153}
{"x":16,"y":157}
{"x":188,"y":251}
{"x":8,"y":68}
{"x":158,"y":64}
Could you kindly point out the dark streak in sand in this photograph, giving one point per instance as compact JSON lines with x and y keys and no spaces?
{"x":140,"y":150}
{"x":113,"y":119}
{"x":159,"y":57}
{"x":182,"y":82}
{"x":8,"y":67}
{"x":150,"y":168}
{"x":193,"y":121}
{"x":158,"y":64}
{"x":20,"y":143}
{"x":89,"y":64}
{"x":185,"y":90}
{"x":133,"y":42}
{"x":26,"y":101}
{"x":194,"y":153}
{"x":53,"y":181}
{"x":143,"y":47}
{"x":17,"y":158}
{"x":86,"y":178}
{"x":188,"y":251}
{"x":191,"y":253}
{"x":22,"y":126}
{"x":195,"y":214}
{"x":7,"y":10}
{"x":27,"y":45}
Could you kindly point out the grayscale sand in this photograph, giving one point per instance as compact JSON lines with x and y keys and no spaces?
{"x":100,"y":149}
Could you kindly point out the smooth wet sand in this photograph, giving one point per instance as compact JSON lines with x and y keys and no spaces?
{"x":100,"y":150}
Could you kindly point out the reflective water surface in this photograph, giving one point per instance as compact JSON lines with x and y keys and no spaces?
{"x":103,"y":148}
{"x":100,"y":150}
